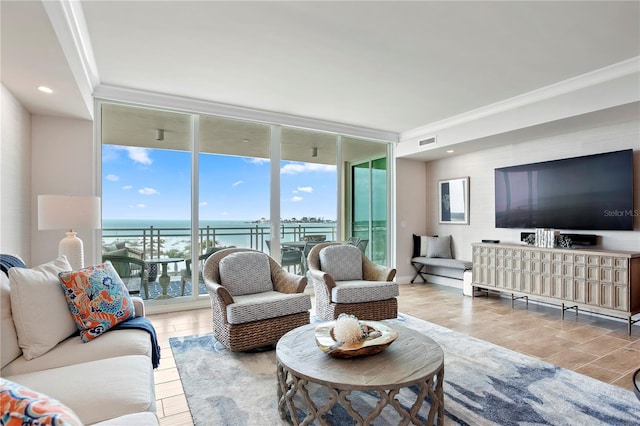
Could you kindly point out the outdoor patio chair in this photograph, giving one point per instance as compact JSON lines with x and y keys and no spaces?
{"x":289,"y":256}
{"x":132,"y":271}
{"x":346,"y":281}
{"x":353,"y":241}
{"x":186,"y":274}
{"x":362,"y":245}
{"x":254,"y":301}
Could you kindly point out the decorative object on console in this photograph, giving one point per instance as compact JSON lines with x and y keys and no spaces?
{"x":69,"y":212}
{"x":564,"y":241}
{"x":546,"y":238}
{"x":453,"y":196}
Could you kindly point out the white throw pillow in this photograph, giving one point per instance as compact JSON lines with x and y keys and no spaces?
{"x":439,"y":247}
{"x":343,"y":262}
{"x":246,"y":272}
{"x":9,"y":349}
{"x":40,"y":311}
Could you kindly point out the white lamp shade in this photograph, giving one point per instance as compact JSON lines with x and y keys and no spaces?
{"x":69,"y":212}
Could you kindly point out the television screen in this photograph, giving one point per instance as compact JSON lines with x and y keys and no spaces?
{"x":593,"y":192}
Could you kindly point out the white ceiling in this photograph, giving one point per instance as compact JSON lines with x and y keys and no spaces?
{"x":391,"y":66}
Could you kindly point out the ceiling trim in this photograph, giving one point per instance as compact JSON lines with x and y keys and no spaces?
{"x":593,"y":78}
{"x":68,"y":22}
{"x":184,"y":104}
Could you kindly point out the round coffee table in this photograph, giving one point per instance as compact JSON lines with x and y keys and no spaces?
{"x":412,"y":360}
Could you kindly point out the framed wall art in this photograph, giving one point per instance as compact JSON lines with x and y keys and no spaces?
{"x":453,"y":196}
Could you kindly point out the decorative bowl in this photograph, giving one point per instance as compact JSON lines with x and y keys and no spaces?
{"x":327,"y":343}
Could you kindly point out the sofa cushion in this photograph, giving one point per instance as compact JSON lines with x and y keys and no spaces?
{"x":246,"y":272}
{"x":359,"y":291}
{"x":97,"y":299}
{"x":38,"y":306}
{"x":136,"y":419}
{"x":343,"y":262}
{"x":9,"y":348}
{"x":439,"y":247}
{"x":98,"y":390}
{"x":270,"y":304}
{"x":420,"y":243}
{"x":73,"y":351}
{"x":23,"y":406}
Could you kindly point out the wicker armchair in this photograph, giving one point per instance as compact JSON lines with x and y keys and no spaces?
{"x":248,"y":312}
{"x":370,"y":297}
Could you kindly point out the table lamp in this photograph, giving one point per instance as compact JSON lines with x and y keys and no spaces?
{"x":69,"y":212}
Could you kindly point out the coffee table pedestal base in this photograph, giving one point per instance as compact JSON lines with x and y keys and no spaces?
{"x":289,"y":385}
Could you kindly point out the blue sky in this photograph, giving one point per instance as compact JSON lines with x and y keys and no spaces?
{"x":142,"y":183}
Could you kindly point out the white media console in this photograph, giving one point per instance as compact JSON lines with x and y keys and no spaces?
{"x":601,"y":281}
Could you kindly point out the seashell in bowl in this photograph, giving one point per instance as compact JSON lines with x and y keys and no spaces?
{"x":380,"y":336}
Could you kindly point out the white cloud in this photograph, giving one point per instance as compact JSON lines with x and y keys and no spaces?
{"x":203,"y":203}
{"x":113,"y":178}
{"x":127,"y":187}
{"x":295,"y":168}
{"x":259,"y":161}
{"x":147,"y":191}
{"x":225,"y":213}
{"x":296,"y":199}
{"x":137,"y":206}
{"x":139,"y":155}
{"x":307,"y":189}
{"x":234,"y":184}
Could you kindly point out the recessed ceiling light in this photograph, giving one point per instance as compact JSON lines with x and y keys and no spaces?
{"x":45,"y":89}
{"x":450,"y":151}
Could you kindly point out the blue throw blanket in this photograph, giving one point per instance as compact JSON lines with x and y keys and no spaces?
{"x":142,"y":323}
{"x":8,"y":261}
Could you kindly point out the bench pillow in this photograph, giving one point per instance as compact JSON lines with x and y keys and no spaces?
{"x":343,"y":262}
{"x":439,"y":247}
{"x":420,"y":243}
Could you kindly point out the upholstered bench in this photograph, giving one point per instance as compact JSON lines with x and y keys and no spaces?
{"x":433,"y":262}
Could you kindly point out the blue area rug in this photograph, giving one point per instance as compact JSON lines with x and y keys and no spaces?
{"x":484,"y":384}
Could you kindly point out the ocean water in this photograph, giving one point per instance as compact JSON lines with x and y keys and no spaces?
{"x":175,"y":234}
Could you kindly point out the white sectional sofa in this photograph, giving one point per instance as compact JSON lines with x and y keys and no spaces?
{"x":107,"y":381}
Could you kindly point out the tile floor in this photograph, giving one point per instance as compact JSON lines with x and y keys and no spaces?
{"x":593,"y":346}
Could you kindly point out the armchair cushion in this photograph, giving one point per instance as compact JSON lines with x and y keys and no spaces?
{"x":246,"y":273}
{"x":359,"y":291}
{"x":343,"y":262}
{"x":270,"y":304}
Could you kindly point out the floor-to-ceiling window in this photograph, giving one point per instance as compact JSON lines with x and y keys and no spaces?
{"x":251,"y":184}
{"x":146,"y":202}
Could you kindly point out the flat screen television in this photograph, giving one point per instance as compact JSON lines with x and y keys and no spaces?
{"x":594,"y":192}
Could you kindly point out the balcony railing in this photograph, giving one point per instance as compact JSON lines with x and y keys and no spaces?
{"x":175,"y":242}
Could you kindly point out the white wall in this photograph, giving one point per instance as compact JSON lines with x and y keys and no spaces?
{"x":411,"y":202}
{"x":15,"y":179}
{"x":63,"y":162}
{"x":480,"y":168}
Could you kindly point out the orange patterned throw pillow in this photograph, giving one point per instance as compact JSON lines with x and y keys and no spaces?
{"x":23,"y":406}
{"x":97,"y":299}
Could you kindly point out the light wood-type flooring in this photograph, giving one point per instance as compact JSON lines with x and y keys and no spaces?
{"x":596,"y":347}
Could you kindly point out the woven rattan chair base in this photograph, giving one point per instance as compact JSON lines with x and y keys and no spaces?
{"x":372,"y":311}
{"x":256,"y":334}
